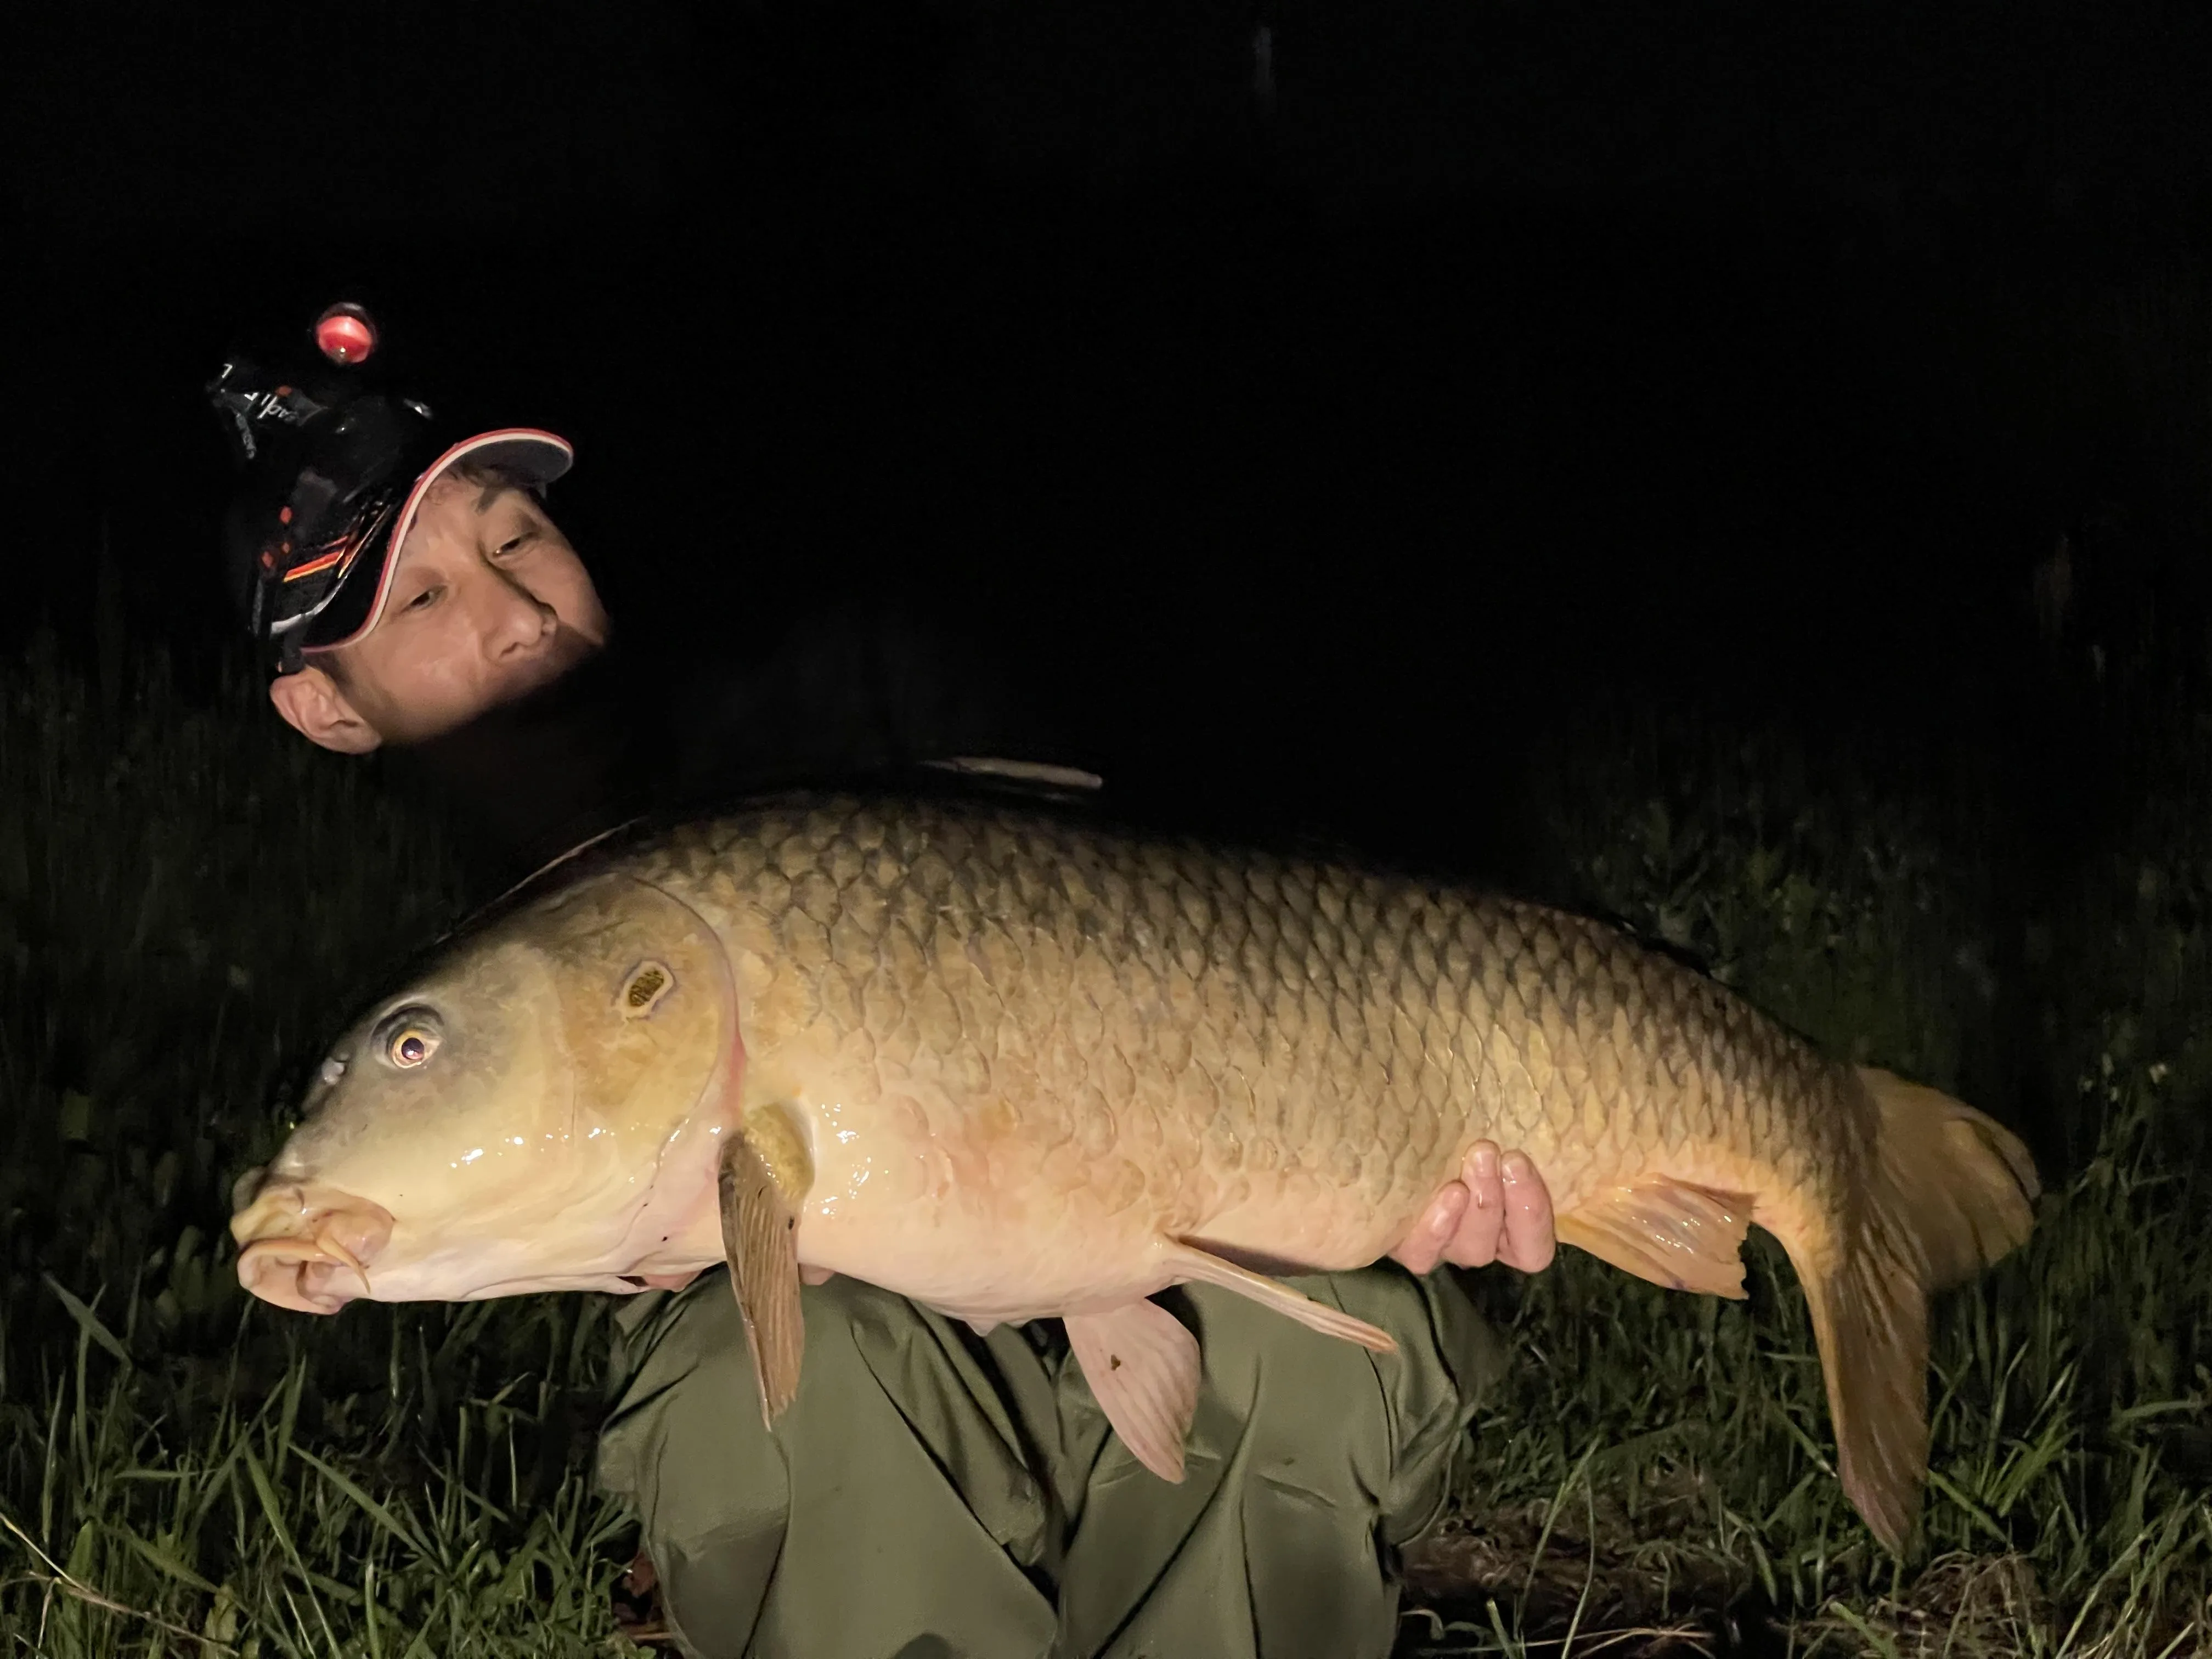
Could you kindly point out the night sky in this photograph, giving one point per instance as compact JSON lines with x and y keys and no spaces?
{"x":1319,"y":437}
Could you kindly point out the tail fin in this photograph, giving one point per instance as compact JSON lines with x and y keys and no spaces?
{"x":1952,"y":1191}
{"x":1964,"y":1184}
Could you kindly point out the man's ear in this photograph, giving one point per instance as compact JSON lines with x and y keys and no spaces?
{"x":312,"y":706}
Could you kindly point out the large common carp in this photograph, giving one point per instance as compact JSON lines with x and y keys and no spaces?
{"x":1014,"y":1066}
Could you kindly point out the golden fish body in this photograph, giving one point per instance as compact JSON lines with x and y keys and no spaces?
{"x":1029,"y":1052}
{"x":1013,"y":1066}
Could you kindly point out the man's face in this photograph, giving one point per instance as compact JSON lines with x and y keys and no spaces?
{"x":488,"y":603}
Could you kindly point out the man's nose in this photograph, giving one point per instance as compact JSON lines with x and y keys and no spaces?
{"x":515,"y":621}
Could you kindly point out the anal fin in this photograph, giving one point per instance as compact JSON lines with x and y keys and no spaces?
{"x":1142,"y":1368}
{"x":1677,"y":1235}
{"x":1192,"y":1264}
{"x":760,"y":1239}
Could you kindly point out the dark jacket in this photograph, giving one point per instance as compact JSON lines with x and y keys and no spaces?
{"x":836,"y":699}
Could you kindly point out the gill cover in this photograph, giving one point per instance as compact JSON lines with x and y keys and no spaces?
{"x":647,"y":1006}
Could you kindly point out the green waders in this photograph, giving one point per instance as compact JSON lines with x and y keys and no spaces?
{"x":935,"y":1495}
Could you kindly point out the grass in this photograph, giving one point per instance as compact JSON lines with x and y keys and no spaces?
{"x":185,"y":900}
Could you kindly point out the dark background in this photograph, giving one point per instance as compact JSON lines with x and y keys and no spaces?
{"x":1316,"y":458}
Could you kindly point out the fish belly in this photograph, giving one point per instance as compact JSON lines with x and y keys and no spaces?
{"x":982,"y":1226}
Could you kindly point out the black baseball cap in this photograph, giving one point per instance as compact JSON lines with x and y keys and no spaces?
{"x":334,"y":468}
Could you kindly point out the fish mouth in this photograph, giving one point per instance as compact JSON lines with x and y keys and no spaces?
{"x":304,"y":1247}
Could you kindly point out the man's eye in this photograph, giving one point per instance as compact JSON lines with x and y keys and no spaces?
{"x":514,"y":544}
{"x":423,"y":600}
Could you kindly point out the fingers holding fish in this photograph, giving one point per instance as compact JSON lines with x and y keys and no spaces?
{"x":1499,"y":1211}
{"x":1422,"y":1250}
{"x":1527,"y":1240}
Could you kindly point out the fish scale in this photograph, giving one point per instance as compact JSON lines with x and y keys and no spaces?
{"x":1336,"y":1044}
{"x":1016,"y":1065}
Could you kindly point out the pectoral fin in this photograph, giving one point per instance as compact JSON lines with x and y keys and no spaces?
{"x":1191,"y":1263}
{"x":760,"y":1236}
{"x":1680,"y":1237}
{"x":1142,"y":1366}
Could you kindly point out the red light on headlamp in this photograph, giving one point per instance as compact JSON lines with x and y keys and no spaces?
{"x":345,"y":335}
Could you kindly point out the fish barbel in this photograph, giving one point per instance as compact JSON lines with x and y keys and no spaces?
{"x":1015,"y":1066}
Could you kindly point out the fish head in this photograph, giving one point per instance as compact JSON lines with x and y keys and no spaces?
{"x":539,"y":1109}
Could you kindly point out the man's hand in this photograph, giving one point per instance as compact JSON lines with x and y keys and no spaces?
{"x":1499,"y":1210}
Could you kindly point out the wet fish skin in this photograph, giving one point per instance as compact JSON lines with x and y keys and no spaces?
{"x":1277,"y":1057}
{"x":1020,"y":1066}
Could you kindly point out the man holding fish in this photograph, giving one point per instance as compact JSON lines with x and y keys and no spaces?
{"x":941,"y":1485}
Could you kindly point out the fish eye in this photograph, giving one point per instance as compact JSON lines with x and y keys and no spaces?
{"x":409,"y":1037}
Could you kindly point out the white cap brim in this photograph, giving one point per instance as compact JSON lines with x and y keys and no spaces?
{"x":540,"y":457}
